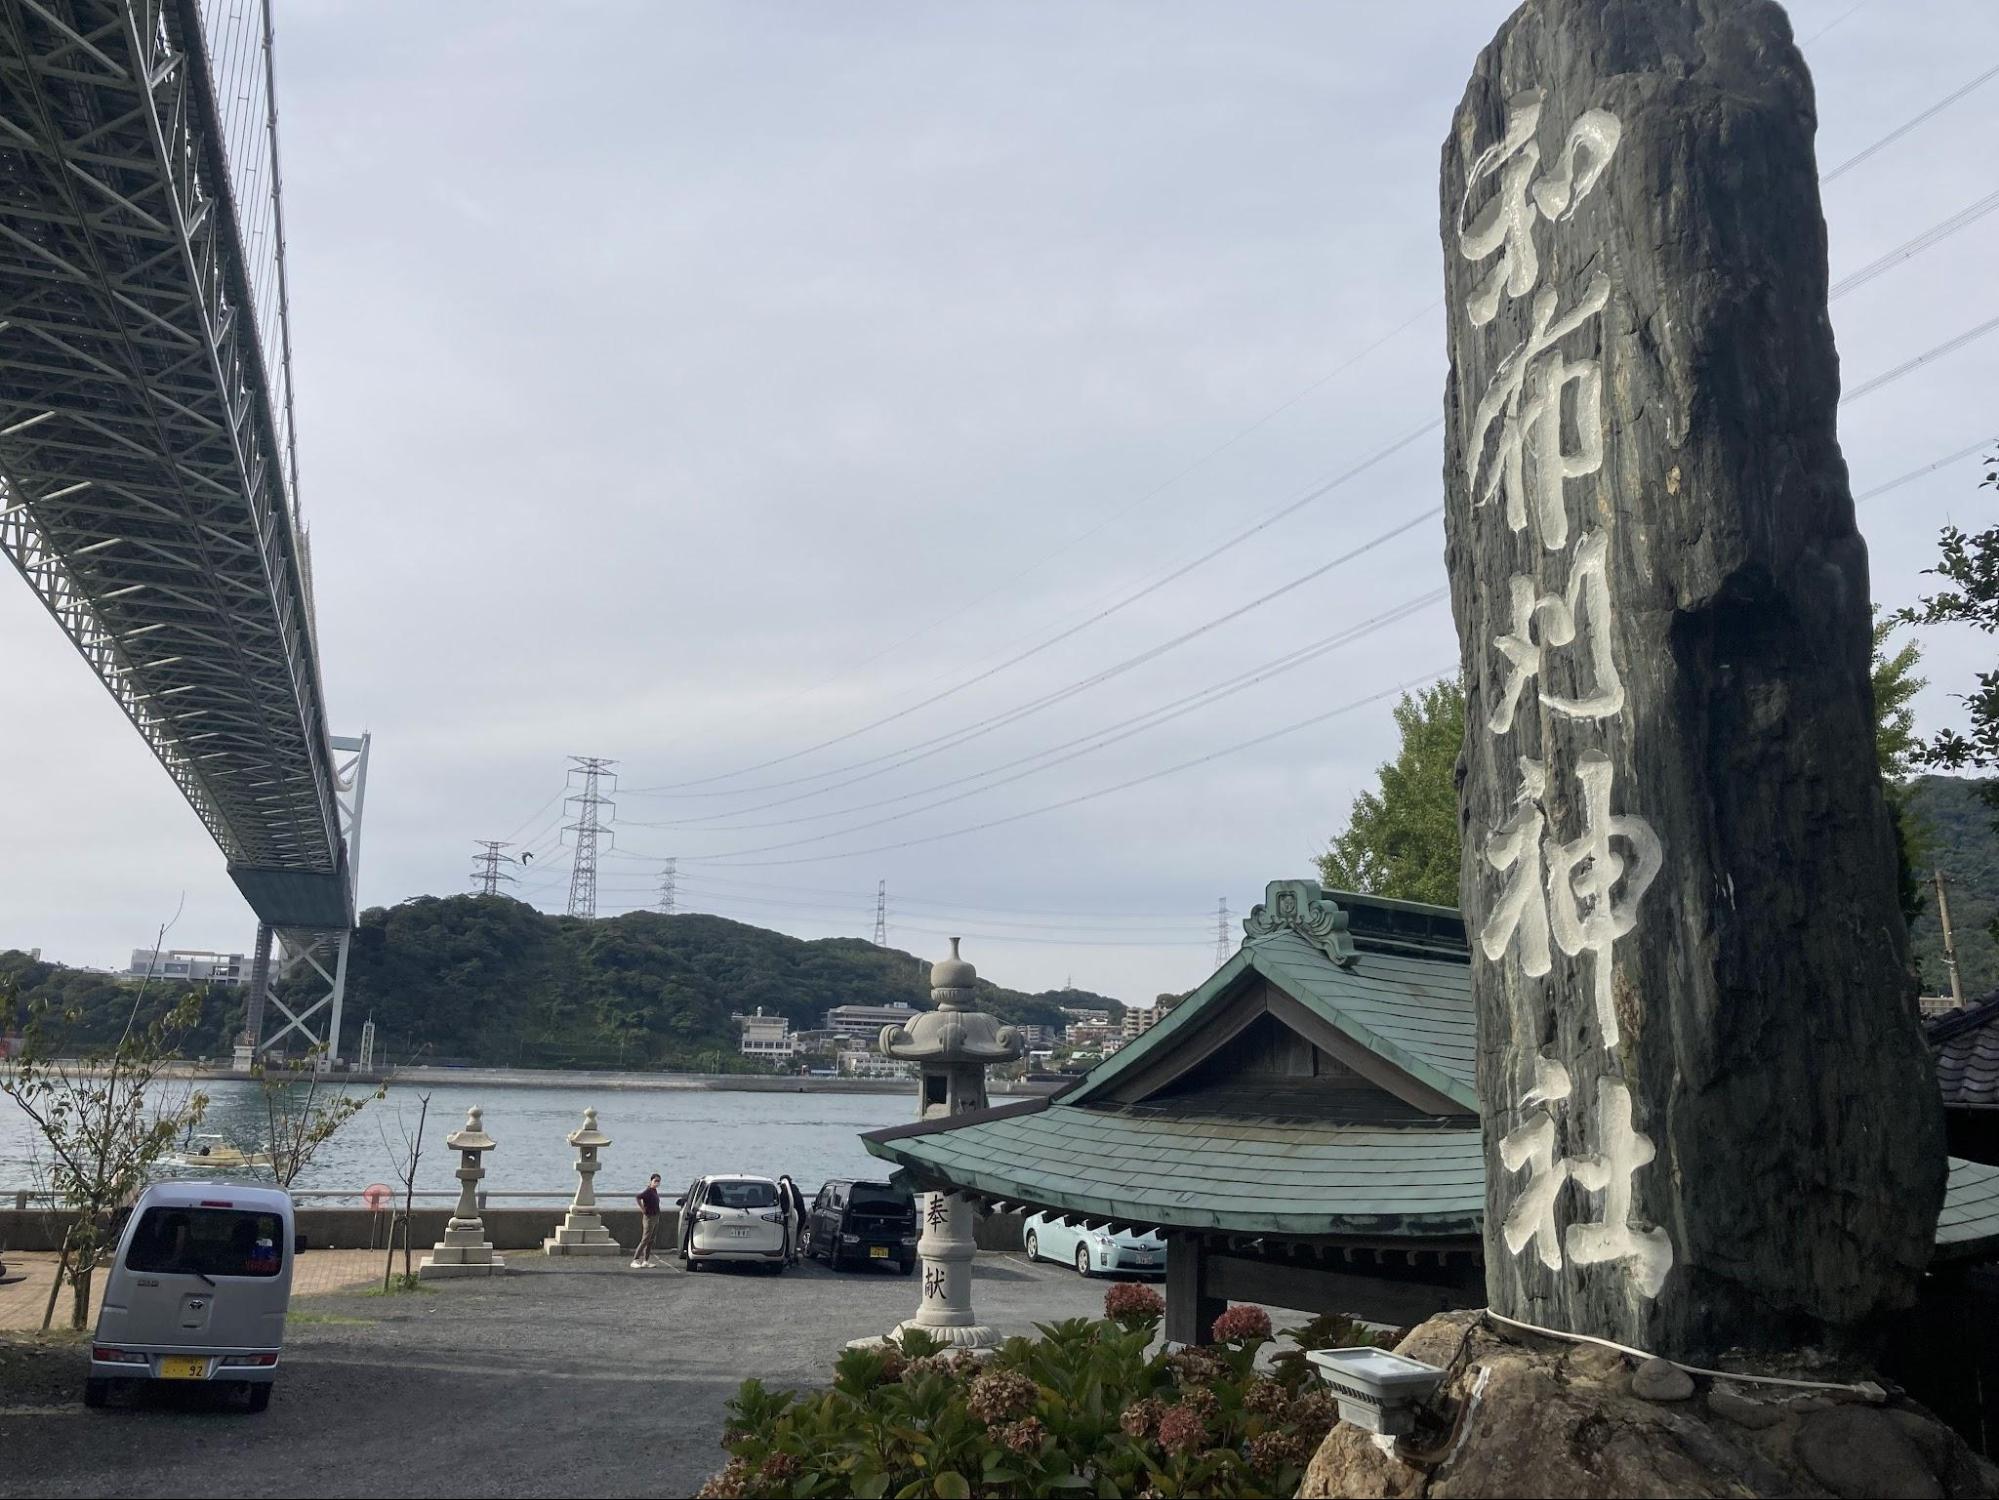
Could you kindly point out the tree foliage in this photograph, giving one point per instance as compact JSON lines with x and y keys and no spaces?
{"x":104,"y":1114}
{"x":1401,"y":840}
{"x":1969,"y":564}
{"x":303,"y":1110}
{"x":489,"y":980}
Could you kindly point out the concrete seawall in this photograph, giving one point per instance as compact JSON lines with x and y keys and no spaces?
{"x":507,"y":1228}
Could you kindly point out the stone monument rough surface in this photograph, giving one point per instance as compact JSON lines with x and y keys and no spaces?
{"x":1710,"y":1117}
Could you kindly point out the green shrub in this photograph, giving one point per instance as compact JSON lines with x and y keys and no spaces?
{"x":1085,"y":1409}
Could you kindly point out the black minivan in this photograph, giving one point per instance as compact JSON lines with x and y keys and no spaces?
{"x":853,"y":1223}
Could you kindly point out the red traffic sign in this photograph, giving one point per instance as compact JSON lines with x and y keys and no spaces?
{"x":375,"y":1196}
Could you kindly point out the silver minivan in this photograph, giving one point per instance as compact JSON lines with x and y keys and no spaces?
{"x":197,"y":1292}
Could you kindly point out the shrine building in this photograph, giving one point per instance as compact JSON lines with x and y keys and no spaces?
{"x":1304,"y":1127}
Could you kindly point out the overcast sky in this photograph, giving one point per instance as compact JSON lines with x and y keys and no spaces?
{"x":695,"y":384}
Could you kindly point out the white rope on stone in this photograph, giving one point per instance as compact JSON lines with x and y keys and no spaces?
{"x":1867,"y":1388}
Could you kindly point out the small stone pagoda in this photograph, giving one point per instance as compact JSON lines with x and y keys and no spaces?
{"x":952,"y":1047}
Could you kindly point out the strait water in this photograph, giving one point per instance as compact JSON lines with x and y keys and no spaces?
{"x":679,"y":1133}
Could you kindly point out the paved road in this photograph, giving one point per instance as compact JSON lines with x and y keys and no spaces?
{"x":551,"y":1380}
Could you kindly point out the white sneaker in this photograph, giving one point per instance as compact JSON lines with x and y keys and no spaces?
{"x":638,"y":1265}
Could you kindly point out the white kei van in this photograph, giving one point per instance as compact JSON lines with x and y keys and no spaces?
{"x":198,"y":1291}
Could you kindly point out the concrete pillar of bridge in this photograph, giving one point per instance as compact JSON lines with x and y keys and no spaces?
{"x":253,"y":1009}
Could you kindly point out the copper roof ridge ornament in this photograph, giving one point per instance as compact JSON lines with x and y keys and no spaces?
{"x":1302,"y":906}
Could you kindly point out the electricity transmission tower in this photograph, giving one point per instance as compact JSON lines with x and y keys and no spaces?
{"x":666,"y":883}
{"x":486,"y":871}
{"x":881,"y":913}
{"x":1222,"y":932}
{"x":583,"y":868}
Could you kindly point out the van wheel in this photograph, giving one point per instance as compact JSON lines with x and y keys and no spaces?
{"x":260,"y":1397}
{"x":1033,"y":1247}
{"x":908,"y":1264}
{"x":95,"y":1392}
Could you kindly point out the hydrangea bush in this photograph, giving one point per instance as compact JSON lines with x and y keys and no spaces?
{"x":1087,"y":1408}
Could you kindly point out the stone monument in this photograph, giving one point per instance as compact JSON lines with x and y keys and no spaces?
{"x":465,"y":1250}
{"x":1710,"y":1120}
{"x":582,"y":1231}
{"x":952,"y":1047}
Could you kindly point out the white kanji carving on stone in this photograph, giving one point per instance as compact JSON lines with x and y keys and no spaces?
{"x":1589,"y":914}
{"x":1521,"y":912}
{"x":1524,"y":400}
{"x":1587,"y":597}
{"x":1622,"y":1150}
{"x":1530,"y":1217}
{"x":1506,"y":223}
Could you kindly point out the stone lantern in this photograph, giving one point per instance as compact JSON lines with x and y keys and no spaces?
{"x":465,"y":1250}
{"x":952,"y":1047}
{"x":581,"y":1231}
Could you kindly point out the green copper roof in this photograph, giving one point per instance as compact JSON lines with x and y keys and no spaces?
{"x":1148,"y":1165}
{"x":1413,"y":1012}
{"x":1969,"y":1222}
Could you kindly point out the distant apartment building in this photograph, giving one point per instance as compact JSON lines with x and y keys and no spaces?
{"x":1037,"y":1037}
{"x":1083,"y":1036}
{"x":854,"y":1063}
{"x":765,"y":1037}
{"x":1080,"y":1017}
{"x":1139,"y":1019}
{"x":863,"y":1023}
{"x":189,"y":966}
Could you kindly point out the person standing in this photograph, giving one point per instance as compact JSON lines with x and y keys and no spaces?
{"x":649,"y":1218}
{"x":796,"y":1222}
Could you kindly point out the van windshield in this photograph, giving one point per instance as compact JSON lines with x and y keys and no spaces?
{"x":743,"y":1195}
{"x":207,"y":1242}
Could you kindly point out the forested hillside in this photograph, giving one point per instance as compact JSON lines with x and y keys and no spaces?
{"x":1952,"y":828}
{"x":486,"y":979}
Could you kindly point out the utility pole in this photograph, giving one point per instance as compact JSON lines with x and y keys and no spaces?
{"x":881,"y":913}
{"x":486,"y":871}
{"x":1940,"y":880}
{"x":588,"y":824}
{"x":1222,"y":944}
{"x":667,"y":877}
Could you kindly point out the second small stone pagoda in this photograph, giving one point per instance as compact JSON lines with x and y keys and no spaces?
{"x":952,"y":1047}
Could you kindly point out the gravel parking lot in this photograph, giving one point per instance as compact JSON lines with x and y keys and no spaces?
{"x":550,"y":1380}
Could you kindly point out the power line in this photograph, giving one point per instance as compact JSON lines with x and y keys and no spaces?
{"x":1316,"y":493}
{"x":1930,"y":468}
{"x":1103,"y":738}
{"x":1948,"y":346}
{"x":486,"y":871}
{"x":1901,"y":130}
{"x":1936,"y":234}
{"x":587,"y":827}
{"x":727,"y":861}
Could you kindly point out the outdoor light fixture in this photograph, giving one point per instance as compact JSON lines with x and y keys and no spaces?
{"x":1377,"y":1390}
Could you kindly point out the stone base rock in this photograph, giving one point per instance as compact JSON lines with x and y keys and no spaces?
{"x":433,"y":1270}
{"x":1522,"y":1415}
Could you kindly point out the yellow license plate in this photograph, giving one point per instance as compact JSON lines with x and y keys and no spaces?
{"x":878,"y":1252}
{"x":183,"y":1367}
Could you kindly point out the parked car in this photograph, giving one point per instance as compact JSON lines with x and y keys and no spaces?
{"x":853,"y":1223}
{"x":1095,"y":1251}
{"x":731,"y":1218}
{"x":198,"y":1290}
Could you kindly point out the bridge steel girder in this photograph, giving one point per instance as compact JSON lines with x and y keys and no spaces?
{"x":144,"y":490}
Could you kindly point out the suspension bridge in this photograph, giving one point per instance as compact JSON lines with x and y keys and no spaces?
{"x":148,"y":471}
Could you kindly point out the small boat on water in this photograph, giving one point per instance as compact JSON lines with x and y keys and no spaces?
{"x":216,"y":1154}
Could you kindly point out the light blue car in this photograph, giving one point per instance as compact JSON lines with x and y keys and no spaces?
{"x":1095,"y":1252}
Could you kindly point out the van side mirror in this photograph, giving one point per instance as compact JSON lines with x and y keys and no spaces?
{"x":679,"y":1202}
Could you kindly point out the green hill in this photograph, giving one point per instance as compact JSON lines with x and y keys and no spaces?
{"x":1953,"y":831}
{"x":486,"y":979}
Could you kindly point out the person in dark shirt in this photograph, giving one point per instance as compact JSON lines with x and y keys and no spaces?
{"x":649,"y":1216}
